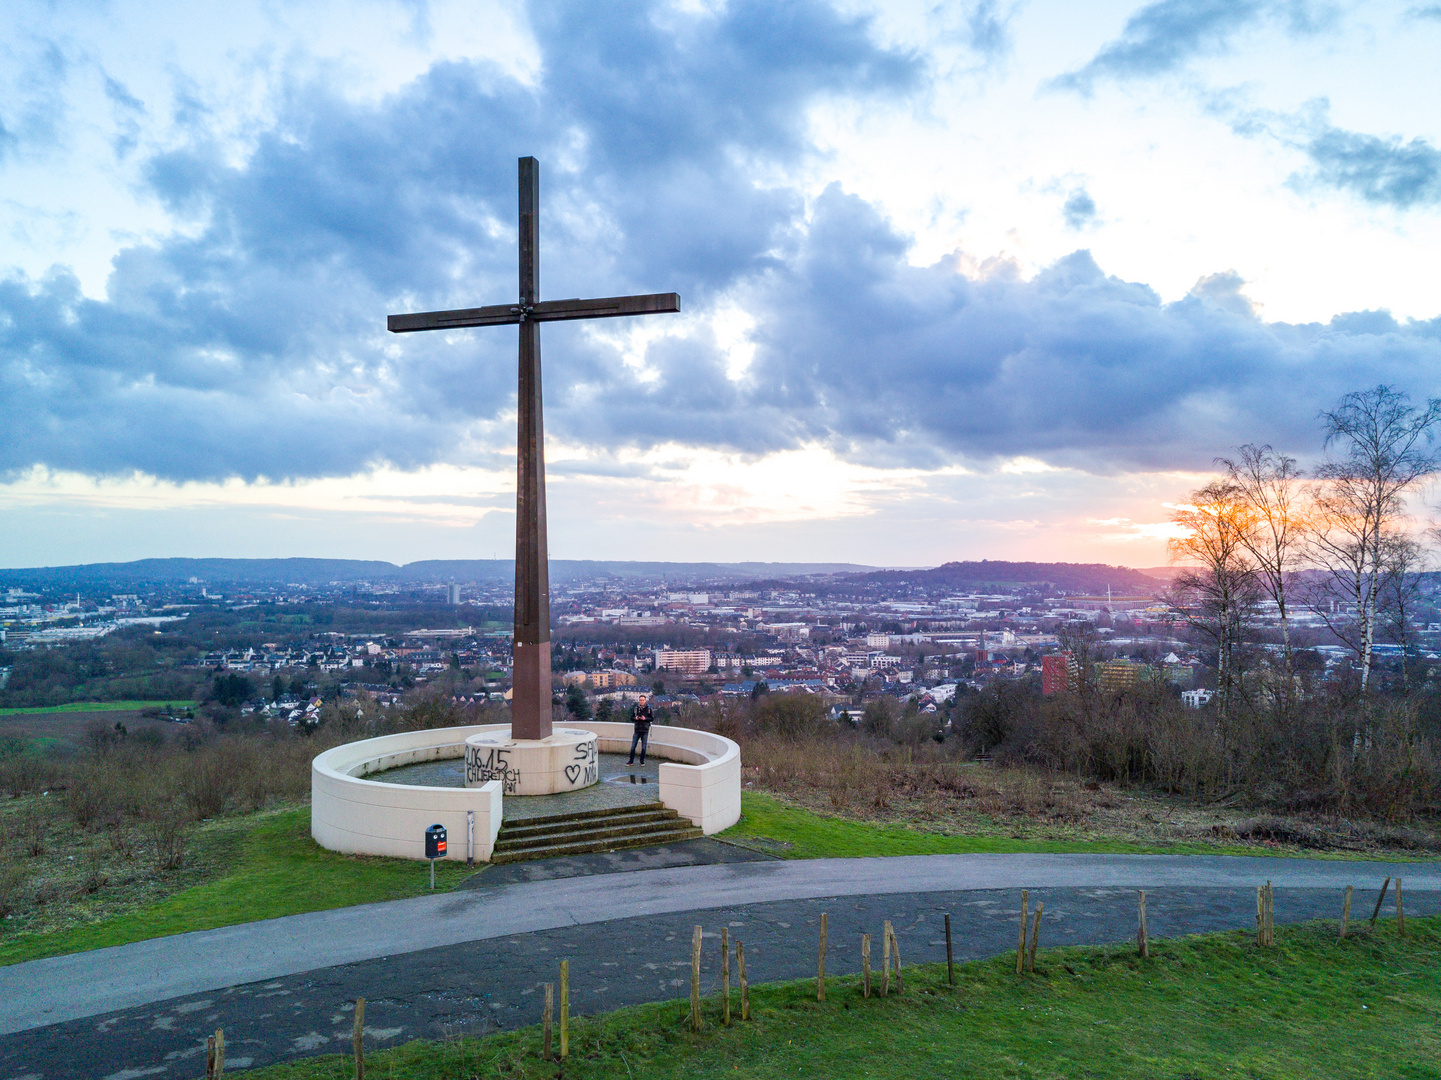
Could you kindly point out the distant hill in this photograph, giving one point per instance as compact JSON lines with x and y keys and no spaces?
{"x":316,"y":572}
{"x":988,"y":576}
{"x":1162,"y":573}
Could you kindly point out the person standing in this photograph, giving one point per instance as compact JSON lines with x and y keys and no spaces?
{"x":641,"y":717}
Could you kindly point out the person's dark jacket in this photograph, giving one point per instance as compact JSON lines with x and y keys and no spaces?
{"x":642,"y":718}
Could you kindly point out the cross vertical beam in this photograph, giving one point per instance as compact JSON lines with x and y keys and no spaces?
{"x":530,"y":694}
{"x":530,"y":682}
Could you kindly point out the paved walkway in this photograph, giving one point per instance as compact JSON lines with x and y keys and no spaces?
{"x":51,"y":991}
{"x":482,"y":986}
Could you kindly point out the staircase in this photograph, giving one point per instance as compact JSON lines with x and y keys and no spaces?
{"x":591,"y":830}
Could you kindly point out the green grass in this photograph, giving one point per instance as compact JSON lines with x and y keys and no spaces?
{"x":771,"y":825}
{"x":1200,"y":1008}
{"x":98,"y":706}
{"x":277,"y":870}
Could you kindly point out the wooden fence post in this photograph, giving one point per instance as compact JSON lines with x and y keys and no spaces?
{"x":1021,"y":943}
{"x":886,"y":959}
{"x":695,"y":942}
{"x":564,"y":1009}
{"x":1400,"y":911}
{"x":896,"y":956}
{"x":357,"y":1037}
{"x":210,"y":1058}
{"x":821,"y":963}
{"x":865,"y":965}
{"x":726,"y":975}
{"x":215,"y":1055}
{"x":950,"y":957}
{"x":1376,"y":911}
{"x":546,"y":1020}
{"x":1143,"y":944}
{"x":1265,"y":915}
{"x":1035,"y":935}
{"x":1345,"y":914}
{"x":745,"y":986}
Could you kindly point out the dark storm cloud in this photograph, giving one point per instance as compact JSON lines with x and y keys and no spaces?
{"x":1161,"y":37}
{"x":889,"y":363}
{"x":255,"y":345}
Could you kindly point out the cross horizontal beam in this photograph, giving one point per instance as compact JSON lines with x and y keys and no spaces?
{"x":605,"y":307}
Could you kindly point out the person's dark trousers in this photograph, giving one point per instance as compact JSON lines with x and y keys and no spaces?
{"x":641,"y":737}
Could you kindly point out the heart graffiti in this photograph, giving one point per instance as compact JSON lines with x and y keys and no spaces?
{"x":572,"y":772}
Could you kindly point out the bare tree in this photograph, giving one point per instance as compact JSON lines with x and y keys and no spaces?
{"x":1385,"y":448}
{"x":1269,"y":484}
{"x":1218,"y":585}
{"x":1403,"y":560}
{"x":1079,"y":641}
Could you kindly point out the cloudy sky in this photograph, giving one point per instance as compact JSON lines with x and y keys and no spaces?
{"x":960,"y":280}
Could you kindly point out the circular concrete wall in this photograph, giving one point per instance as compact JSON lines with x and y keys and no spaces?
{"x":700,"y":778}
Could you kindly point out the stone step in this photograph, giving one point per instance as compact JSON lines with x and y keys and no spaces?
{"x":561,"y":824}
{"x":682,"y":830}
{"x":507,"y":842}
{"x":583,"y":815}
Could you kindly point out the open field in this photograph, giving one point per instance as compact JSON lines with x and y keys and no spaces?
{"x":1198,"y":1008}
{"x":95,"y":706}
{"x":65,"y":731}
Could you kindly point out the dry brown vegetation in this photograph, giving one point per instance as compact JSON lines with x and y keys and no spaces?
{"x":1136,"y":767}
{"x":116,"y":820}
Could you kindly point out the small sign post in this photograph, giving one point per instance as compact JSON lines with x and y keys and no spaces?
{"x":434,"y":848}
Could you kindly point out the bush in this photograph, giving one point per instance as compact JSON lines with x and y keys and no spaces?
{"x":878,"y":716}
{"x":167,"y":827}
{"x":793,"y":716}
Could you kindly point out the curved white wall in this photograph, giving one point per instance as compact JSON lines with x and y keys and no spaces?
{"x":700,"y":778}
{"x":701,"y":775}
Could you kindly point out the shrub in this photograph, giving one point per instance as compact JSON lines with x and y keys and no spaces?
{"x":792,"y":716}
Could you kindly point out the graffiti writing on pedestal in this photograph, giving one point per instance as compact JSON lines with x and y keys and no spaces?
{"x":484,"y":763}
{"x":585,"y":769}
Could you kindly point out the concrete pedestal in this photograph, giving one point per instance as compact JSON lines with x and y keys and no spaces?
{"x":565,"y":761}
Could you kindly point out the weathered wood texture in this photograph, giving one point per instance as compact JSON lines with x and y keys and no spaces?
{"x":564,"y":1009}
{"x":821,"y":963}
{"x":695,"y":943}
{"x":725,"y":976}
{"x":602,"y":307}
{"x":950,"y":955}
{"x":546,"y":1019}
{"x":1143,"y":942}
{"x":357,"y":1038}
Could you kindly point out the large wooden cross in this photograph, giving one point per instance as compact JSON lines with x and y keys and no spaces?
{"x":530,"y":697}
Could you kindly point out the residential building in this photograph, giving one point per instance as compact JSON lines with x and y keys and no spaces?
{"x":1058,"y":674}
{"x":688,"y":661}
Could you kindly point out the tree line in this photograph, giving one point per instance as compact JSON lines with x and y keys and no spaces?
{"x":1339,"y":542}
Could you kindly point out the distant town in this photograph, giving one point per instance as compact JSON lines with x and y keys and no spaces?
{"x":850,"y":636}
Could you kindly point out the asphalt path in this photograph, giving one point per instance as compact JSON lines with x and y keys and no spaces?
{"x":474,"y":961}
